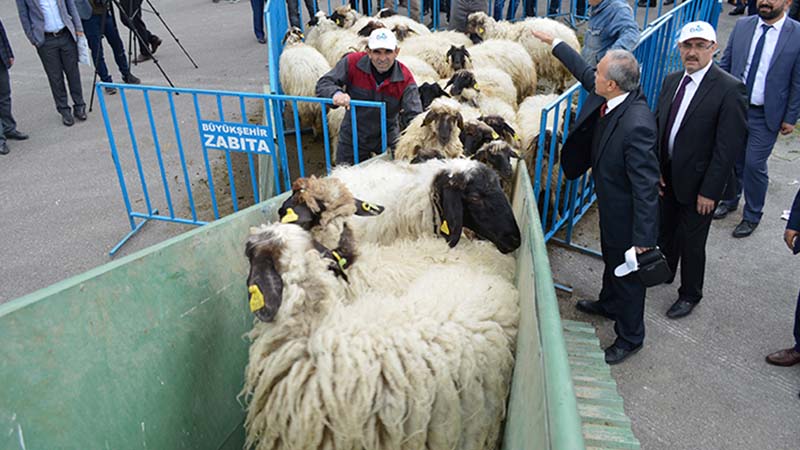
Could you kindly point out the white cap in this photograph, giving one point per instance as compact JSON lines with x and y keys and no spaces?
{"x":631,"y":264}
{"x":697,"y":30}
{"x":382,"y":38}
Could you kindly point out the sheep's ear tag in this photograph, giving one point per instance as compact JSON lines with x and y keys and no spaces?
{"x":480,"y":30}
{"x":289,"y":217}
{"x":256,"y":298}
{"x":368,"y":209}
{"x":444,"y":228}
{"x":475,"y":86}
{"x":495,"y":135}
{"x":516,"y":136}
{"x":342,"y":262}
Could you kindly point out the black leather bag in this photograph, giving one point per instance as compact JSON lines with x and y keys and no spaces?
{"x":653,"y":267}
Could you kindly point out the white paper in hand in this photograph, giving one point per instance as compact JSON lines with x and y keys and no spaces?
{"x":83,"y":51}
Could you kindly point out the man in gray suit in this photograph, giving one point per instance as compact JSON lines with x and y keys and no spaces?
{"x":764,"y":52}
{"x":53,"y":27}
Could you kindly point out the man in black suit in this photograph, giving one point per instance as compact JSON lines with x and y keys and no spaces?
{"x":7,"y":121}
{"x":615,"y":135}
{"x":702,"y":125}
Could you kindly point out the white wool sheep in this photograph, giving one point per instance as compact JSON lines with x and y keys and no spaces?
{"x":438,"y":129}
{"x":490,"y":82}
{"x":334,"y":44}
{"x":529,"y":117}
{"x":467,"y":89}
{"x":300,"y":67}
{"x":430,"y":368}
{"x":321,"y":25}
{"x":509,"y":57}
{"x":422,"y":71}
{"x":344,"y":16}
{"x":429,"y":50}
{"x":410,"y":22}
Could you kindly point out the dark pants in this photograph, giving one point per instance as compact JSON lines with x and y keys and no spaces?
{"x":797,"y":325}
{"x":752,"y":7}
{"x":750,"y":171}
{"x":59,"y":55}
{"x":294,"y":12}
{"x":6,"y":119}
{"x":132,"y":18}
{"x":95,"y":28}
{"x":794,"y":10}
{"x":683,"y":238}
{"x":258,"y":17}
{"x":623,"y":298}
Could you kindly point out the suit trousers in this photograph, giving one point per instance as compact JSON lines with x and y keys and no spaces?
{"x":797,"y":325}
{"x":95,"y":28}
{"x":258,"y":17}
{"x":683,"y":238}
{"x":623,"y":298}
{"x":750,"y":171}
{"x":6,"y":119}
{"x":59,"y":55}
{"x":131,"y":16}
{"x":294,"y":10}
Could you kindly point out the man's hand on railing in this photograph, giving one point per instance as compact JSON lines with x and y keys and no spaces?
{"x":544,"y":37}
{"x":341,"y":99}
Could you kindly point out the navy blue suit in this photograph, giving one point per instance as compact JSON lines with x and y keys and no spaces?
{"x":794,"y":224}
{"x":781,"y":105}
{"x":7,"y":122}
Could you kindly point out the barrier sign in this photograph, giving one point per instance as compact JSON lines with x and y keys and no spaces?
{"x":239,"y":137}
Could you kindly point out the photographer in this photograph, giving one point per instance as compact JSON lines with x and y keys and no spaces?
{"x":132,"y":18}
{"x":98,"y":21}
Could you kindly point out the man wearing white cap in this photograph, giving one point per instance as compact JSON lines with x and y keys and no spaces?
{"x":702,"y":129}
{"x":374,"y":75}
{"x":764,"y":53}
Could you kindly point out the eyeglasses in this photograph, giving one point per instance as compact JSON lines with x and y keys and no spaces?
{"x":699,"y":46}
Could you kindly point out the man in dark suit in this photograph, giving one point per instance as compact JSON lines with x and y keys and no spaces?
{"x":791,"y":356}
{"x":7,"y":121}
{"x":615,"y":136}
{"x":764,"y":52}
{"x":702,"y":129}
{"x":53,"y":27}
{"x":132,"y":18}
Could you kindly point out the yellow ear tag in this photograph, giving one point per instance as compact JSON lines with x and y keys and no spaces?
{"x":516,"y":136}
{"x":475,"y":86}
{"x":444,"y":228}
{"x":480,"y":30}
{"x":256,"y":298}
{"x":341,"y":261}
{"x":495,"y":135}
{"x":290,"y":216}
{"x":366,"y":206}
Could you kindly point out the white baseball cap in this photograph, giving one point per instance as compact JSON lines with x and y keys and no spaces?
{"x":697,"y":30}
{"x":382,"y":38}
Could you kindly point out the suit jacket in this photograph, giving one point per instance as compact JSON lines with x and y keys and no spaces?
{"x":624,"y":164}
{"x":782,"y":90}
{"x":5,"y":48}
{"x":794,"y":216}
{"x":32,"y":18}
{"x":709,"y":139}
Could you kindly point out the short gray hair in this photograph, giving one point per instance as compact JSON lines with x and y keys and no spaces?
{"x":623,"y":69}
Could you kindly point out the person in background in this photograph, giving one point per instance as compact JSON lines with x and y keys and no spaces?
{"x":791,"y":356}
{"x":615,"y":135}
{"x":53,"y":27}
{"x":294,"y":10}
{"x":460,"y":10}
{"x":374,"y":75}
{"x":6,"y":119}
{"x":258,"y":19}
{"x":764,"y":52}
{"x":98,"y":21}
{"x":611,"y":26}
{"x":132,"y":18}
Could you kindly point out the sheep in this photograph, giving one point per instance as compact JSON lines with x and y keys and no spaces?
{"x":335,"y":44}
{"x":428,"y":92}
{"x":422,"y":71}
{"x":502,"y":128}
{"x":491,"y":82}
{"x":429,"y":50}
{"x":438,"y":128}
{"x":300,"y":67}
{"x":465,"y":88}
{"x":319,"y":25}
{"x":474,"y":135}
{"x":335,"y":119}
{"x":498,"y":155}
{"x":509,"y":57}
{"x":429,"y":368}
{"x":344,"y":16}
{"x":371,"y":26}
{"x":407,"y":23}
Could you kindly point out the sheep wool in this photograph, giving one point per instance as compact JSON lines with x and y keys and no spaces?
{"x":511,"y":58}
{"x":425,"y":130}
{"x":300,"y":66}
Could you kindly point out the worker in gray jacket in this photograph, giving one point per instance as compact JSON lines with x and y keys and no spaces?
{"x":374,"y":75}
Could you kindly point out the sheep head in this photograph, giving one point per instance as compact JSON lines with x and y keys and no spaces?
{"x":428,"y":92}
{"x":458,"y":56}
{"x":468,"y":194}
{"x":401,"y":32}
{"x":385,"y":12}
{"x":444,"y":121}
{"x":497,"y":155}
{"x":502,"y":128}
{"x":293,"y":37}
{"x":370,"y":27}
{"x":478,"y":23}
{"x":474,"y":135}
{"x":464,"y":86}
{"x":344,"y":16}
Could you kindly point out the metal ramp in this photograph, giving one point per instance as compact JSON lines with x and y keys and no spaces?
{"x":604,"y":423}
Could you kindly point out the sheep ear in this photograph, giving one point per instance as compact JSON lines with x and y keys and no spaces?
{"x":451,"y":50}
{"x":449,"y":82}
{"x":460,"y":121}
{"x":449,"y":194}
{"x":368,"y":209}
{"x":466,"y":52}
{"x":429,"y":117}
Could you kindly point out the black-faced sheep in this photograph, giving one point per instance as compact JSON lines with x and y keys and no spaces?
{"x":508,"y":56}
{"x":493,"y":83}
{"x":438,"y":128}
{"x":428,"y":92}
{"x":464,"y":88}
{"x":474,"y":135}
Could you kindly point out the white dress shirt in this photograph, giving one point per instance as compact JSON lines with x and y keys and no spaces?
{"x":616,"y":101}
{"x":688,"y":94}
{"x":52,"y":16}
{"x":757,"y":96}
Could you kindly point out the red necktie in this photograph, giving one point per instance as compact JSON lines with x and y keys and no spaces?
{"x":603,"y":109}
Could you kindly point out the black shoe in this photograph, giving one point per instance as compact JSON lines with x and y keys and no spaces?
{"x":155,"y":42}
{"x":4,"y":148}
{"x":143,"y":57}
{"x":722,"y":210}
{"x":131,"y":79}
{"x":111,"y":90}
{"x":644,"y":3}
{"x":615,"y":354}
{"x":593,"y":307}
{"x":681,"y":308}
{"x":744,"y":229}
{"x":739,"y":10}
{"x":262,"y":40}
{"x":79,"y":112}
{"x":16,"y":135}
{"x":668,"y":2}
{"x":67,"y":119}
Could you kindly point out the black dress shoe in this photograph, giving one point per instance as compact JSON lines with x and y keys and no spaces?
{"x":722,"y":210}
{"x":111,"y":90}
{"x":593,"y":307}
{"x":4,"y":148}
{"x":16,"y":135}
{"x":79,"y":112}
{"x":615,"y":354}
{"x":131,"y":79}
{"x":67,"y":119}
{"x":155,"y":42}
{"x":668,"y":2}
{"x":739,"y":10}
{"x":681,"y":308}
{"x":744,"y":229}
{"x":143,"y":57}
{"x":644,"y":3}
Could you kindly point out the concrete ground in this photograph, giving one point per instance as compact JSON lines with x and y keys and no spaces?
{"x":700,"y":383}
